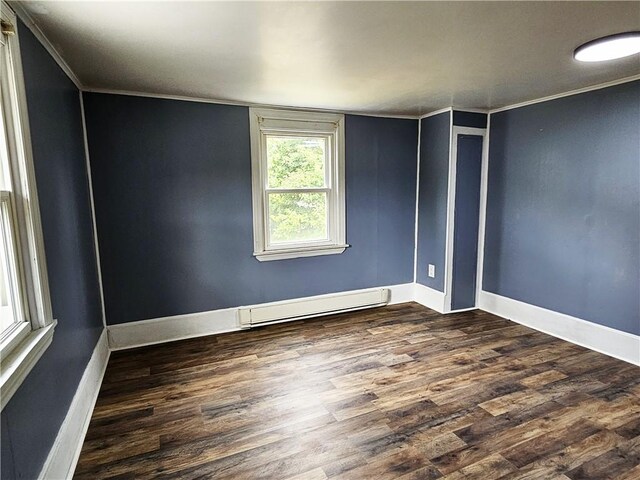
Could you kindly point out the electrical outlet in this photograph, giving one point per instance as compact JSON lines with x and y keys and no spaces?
{"x":432,"y":270}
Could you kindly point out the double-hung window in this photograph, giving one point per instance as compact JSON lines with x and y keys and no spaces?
{"x":26,"y":323}
{"x":298,"y":183}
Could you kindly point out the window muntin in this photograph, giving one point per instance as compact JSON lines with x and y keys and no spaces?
{"x":298,"y":183}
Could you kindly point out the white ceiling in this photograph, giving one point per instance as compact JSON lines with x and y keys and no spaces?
{"x":374,"y":57}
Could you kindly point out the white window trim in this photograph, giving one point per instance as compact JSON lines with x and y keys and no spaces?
{"x":272,"y":121}
{"x":21,"y":350}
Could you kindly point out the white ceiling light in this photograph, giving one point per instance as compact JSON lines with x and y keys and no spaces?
{"x":609,"y":48}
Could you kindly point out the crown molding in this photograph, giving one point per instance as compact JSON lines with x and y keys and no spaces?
{"x":24,"y":15}
{"x":471,"y":110}
{"x":436,"y":112}
{"x":186,"y":98}
{"x":567,"y":94}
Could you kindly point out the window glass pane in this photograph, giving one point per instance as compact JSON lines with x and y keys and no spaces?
{"x":296,"y":162}
{"x":5,"y":184}
{"x":295,"y":217}
{"x":7,"y":313}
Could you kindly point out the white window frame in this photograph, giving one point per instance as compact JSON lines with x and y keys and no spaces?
{"x":26,"y":343}
{"x":267,"y":121}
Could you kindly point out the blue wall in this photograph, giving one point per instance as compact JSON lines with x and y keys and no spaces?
{"x":432,"y":208}
{"x":172,"y":190}
{"x":563,"y":222}
{"x":31,"y":420}
{"x":469,"y":119}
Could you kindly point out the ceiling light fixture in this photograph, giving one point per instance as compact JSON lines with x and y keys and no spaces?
{"x":609,"y":48}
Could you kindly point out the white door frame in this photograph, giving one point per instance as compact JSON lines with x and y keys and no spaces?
{"x":451,"y":206}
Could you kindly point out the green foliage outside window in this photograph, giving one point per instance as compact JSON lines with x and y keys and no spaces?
{"x":296,"y":162}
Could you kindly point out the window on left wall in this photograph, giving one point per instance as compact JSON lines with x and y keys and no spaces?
{"x":26,"y":320}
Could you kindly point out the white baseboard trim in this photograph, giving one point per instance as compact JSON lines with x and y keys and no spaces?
{"x":614,"y":343}
{"x":180,"y":327}
{"x":429,"y":297}
{"x":63,"y":457}
{"x":401,"y":293}
{"x":168,"y":329}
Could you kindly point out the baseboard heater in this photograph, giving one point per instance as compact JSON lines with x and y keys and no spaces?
{"x":312,"y":307}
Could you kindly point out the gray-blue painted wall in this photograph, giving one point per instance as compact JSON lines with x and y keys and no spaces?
{"x":563,"y":212}
{"x":172,"y":190}
{"x":469,"y":119}
{"x":432,"y":208}
{"x":31,"y":420}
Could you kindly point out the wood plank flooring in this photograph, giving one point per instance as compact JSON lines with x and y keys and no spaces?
{"x":398,"y":392}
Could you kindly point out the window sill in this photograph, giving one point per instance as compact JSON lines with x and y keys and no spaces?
{"x":284,"y":254}
{"x":15,"y":367}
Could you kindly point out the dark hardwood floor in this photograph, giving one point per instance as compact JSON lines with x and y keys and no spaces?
{"x":397,"y":392}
